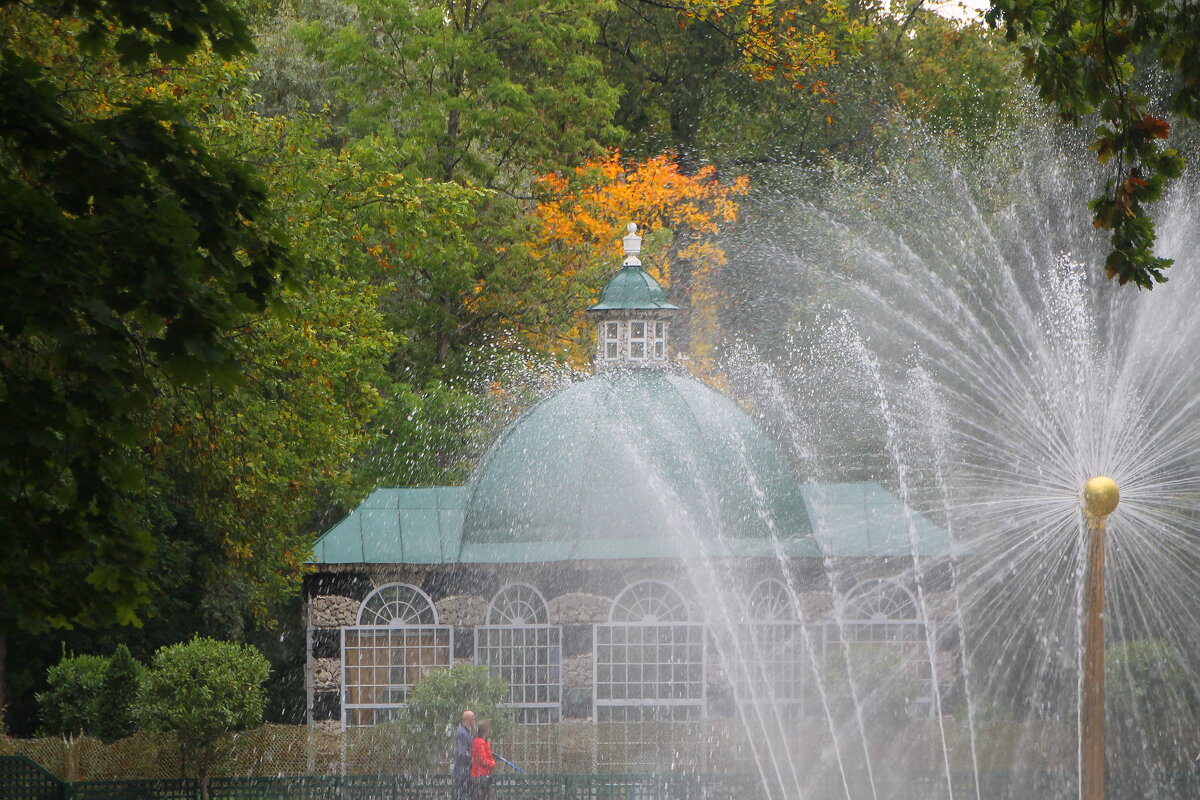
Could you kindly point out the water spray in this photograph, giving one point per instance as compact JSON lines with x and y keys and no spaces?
{"x":1100,"y":498}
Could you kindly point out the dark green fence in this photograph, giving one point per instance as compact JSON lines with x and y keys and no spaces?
{"x":22,"y":779}
{"x":428,"y":787}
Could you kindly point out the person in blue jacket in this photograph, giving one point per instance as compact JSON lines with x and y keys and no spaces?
{"x":460,"y":768}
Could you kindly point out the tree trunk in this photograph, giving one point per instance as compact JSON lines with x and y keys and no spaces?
{"x":202,"y":775}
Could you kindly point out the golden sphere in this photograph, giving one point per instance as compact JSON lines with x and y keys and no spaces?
{"x":1100,"y":496}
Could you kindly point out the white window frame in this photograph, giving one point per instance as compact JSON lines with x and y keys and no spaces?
{"x":610,"y":335}
{"x":657,"y":339}
{"x":506,"y":645}
{"x":643,"y":596}
{"x":529,"y":659}
{"x":643,"y":340}
{"x":675,"y":638}
{"x":870,"y":614}
{"x":396,"y":640}
{"x":654,"y":615}
{"x":526,"y":594}
{"x":412,"y":628}
{"x":414,"y":606}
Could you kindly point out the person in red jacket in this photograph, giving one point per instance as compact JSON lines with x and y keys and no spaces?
{"x":482,"y":763}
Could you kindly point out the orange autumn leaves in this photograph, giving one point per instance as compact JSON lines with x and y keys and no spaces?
{"x":575,"y":242}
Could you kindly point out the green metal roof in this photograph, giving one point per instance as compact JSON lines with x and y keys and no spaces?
{"x":631,"y":464}
{"x":632,"y":288}
{"x":397,"y":526}
{"x":864,"y":520}
{"x":423,"y":526}
{"x":626,"y":464}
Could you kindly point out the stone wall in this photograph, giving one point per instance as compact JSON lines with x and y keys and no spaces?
{"x":579,"y":608}
{"x":461,"y":611}
{"x":327,"y":674}
{"x":333,"y":611}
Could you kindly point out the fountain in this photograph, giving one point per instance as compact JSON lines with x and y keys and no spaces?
{"x":965,"y":329}
{"x":926,"y":616}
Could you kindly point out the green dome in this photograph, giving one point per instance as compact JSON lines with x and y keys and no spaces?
{"x":632,"y":288}
{"x":629,"y":464}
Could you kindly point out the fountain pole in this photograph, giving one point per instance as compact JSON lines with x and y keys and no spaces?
{"x":1100,"y":497}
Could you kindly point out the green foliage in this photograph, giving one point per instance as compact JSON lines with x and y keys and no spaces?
{"x":128,"y":252}
{"x":436,"y":702}
{"x":475,"y":91}
{"x":118,"y":696}
{"x":1080,"y":54}
{"x":1152,"y":706}
{"x":873,"y":679}
{"x":72,"y":704}
{"x":202,"y":691}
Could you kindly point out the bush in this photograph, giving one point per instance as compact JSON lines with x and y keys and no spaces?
{"x":1151,"y":720}
{"x":71,"y":705}
{"x":873,"y":680}
{"x":118,"y":696}
{"x":202,"y":691}
{"x":436,"y":702}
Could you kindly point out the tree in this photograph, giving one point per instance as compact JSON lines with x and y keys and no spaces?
{"x":118,"y":695}
{"x":436,"y":702}
{"x":470,"y":91}
{"x":202,"y":691}
{"x":128,"y":251}
{"x":71,"y":704}
{"x":1081,"y":56}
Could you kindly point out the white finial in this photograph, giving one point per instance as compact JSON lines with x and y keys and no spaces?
{"x":633,"y":246}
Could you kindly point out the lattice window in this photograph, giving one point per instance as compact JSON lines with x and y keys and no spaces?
{"x":381,"y":664}
{"x":771,"y":601}
{"x":610,"y":341}
{"x":880,"y":615}
{"x":529,"y":659}
{"x":518,"y":604}
{"x":879,"y":599}
{"x":397,"y":604}
{"x":659,"y":340}
{"x":521,"y":648}
{"x":637,"y":340}
{"x":649,"y":661}
{"x":649,"y":602}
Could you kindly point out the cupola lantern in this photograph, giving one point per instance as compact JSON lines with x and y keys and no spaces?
{"x":633,"y":315}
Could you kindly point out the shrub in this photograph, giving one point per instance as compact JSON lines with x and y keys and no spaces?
{"x":118,"y":696}
{"x":71,"y":706}
{"x":1151,"y":719}
{"x":436,"y":702}
{"x":202,"y":691}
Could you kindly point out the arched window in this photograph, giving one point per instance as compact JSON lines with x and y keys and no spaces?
{"x":771,"y":601}
{"x":649,"y":657}
{"x":518,"y":604}
{"x":519,"y":645}
{"x":880,"y":621}
{"x":768,"y":664}
{"x":396,"y":642}
{"x":397,"y":604}
{"x":649,"y":602}
{"x":878,"y":600}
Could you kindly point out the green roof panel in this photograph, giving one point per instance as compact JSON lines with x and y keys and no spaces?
{"x":852,"y":520}
{"x":632,"y":288}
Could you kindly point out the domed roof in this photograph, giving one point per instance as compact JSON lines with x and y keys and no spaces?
{"x":632,"y":288}
{"x":633,"y":464}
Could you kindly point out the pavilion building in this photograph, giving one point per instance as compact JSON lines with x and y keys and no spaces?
{"x":568,"y":563}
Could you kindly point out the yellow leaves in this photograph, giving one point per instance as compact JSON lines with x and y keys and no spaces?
{"x":590,"y":207}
